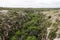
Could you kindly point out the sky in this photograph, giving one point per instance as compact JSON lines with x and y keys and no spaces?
{"x":30,"y":3}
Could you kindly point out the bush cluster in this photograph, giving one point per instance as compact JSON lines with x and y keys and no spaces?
{"x":25,"y":25}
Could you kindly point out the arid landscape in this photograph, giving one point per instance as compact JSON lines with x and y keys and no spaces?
{"x":29,"y":23}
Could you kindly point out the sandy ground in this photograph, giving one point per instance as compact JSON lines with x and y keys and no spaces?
{"x":4,"y":12}
{"x":55,"y":15}
{"x":57,"y":39}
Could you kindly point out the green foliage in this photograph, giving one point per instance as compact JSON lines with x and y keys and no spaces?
{"x":52,"y":35}
{"x":14,"y":38}
{"x":31,"y":38}
{"x":18,"y":33}
{"x":24,"y":25}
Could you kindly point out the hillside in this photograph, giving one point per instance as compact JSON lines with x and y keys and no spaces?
{"x":29,"y":23}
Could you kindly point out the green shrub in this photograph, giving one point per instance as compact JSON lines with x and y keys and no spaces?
{"x":26,"y":25}
{"x":31,"y":38}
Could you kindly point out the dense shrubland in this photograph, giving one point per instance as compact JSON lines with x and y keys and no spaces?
{"x":24,"y":25}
